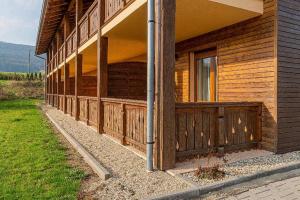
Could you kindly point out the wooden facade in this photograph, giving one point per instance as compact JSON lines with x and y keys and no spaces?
{"x":231,"y":87}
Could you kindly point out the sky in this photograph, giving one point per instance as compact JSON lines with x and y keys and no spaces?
{"x":19,"y":21}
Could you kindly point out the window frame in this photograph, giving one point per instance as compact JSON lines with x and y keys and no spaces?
{"x":213,"y":74}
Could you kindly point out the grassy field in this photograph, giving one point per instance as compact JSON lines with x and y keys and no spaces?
{"x":10,"y":89}
{"x":33,"y":164}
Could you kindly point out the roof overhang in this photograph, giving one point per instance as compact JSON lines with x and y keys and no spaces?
{"x":51,"y":16}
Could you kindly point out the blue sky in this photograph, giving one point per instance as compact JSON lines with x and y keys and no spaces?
{"x":19,"y":20}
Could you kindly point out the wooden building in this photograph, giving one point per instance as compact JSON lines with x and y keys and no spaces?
{"x":225,"y":72}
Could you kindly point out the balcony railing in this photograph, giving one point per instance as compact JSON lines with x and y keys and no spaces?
{"x":88,"y":107}
{"x":126,"y":120}
{"x":113,"y":7}
{"x":62,"y":53}
{"x":205,"y":127}
{"x":88,"y":25}
{"x":71,"y":104}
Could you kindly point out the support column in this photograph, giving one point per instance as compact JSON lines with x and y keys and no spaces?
{"x":52,"y":88}
{"x":101,"y":78}
{"x":78,"y":58}
{"x":165,"y":154}
{"x":66,"y":85}
{"x":58,"y":86}
{"x":78,"y":75}
{"x":102,"y":73}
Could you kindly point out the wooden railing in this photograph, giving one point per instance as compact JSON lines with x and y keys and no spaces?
{"x":88,"y":25}
{"x":70,"y":105}
{"x":113,"y":7}
{"x":61,"y":102}
{"x":55,"y":100}
{"x":61,"y":54}
{"x":206,"y":127}
{"x":50,"y":99}
{"x":55,"y":60}
{"x":88,"y":107}
{"x":126,"y":121}
{"x":71,"y":43}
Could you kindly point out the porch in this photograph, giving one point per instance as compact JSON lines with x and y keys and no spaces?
{"x":100,"y":78}
{"x":201,"y":128}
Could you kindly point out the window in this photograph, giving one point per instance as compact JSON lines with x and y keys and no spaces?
{"x":206,"y":72}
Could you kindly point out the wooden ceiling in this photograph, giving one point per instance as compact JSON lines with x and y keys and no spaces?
{"x":51,"y":17}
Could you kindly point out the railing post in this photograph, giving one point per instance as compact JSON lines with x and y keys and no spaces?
{"x":123,"y":114}
{"x":58,"y":87}
{"x":259,"y":126}
{"x":87,"y":111}
{"x":219,"y":139}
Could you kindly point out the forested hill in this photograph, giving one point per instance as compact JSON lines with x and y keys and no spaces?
{"x":14,"y":58}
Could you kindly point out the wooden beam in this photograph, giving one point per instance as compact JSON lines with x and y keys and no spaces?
{"x":102,"y":77}
{"x":165,"y":63}
{"x":78,"y":63}
{"x":66,"y":85}
{"x":102,"y":72}
{"x":58,"y":86}
{"x":78,"y":79}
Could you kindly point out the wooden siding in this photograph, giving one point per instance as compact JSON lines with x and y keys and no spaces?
{"x":246,"y":66}
{"x":127,"y":80}
{"x":88,"y":86}
{"x":288,"y":75}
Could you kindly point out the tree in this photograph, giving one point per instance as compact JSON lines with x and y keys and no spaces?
{"x":31,"y":76}
{"x":40,"y":76}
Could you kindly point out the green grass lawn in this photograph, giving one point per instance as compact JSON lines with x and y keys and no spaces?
{"x":33,"y":164}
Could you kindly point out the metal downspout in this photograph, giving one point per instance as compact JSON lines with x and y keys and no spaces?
{"x":150,"y":85}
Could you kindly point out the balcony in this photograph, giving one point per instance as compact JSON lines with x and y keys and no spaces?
{"x":125,"y":25}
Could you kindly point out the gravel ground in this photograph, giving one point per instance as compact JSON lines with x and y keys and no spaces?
{"x":250,"y":166}
{"x":129,"y":178}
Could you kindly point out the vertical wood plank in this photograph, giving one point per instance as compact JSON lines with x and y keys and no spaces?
{"x":198,"y":130}
{"x":190,"y":131}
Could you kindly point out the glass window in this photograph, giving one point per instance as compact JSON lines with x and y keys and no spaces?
{"x":206,"y":78}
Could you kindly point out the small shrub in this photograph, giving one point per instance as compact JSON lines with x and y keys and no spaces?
{"x":214,"y":171}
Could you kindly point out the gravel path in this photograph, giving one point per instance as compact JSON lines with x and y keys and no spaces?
{"x":129,"y":178}
{"x":250,"y":166}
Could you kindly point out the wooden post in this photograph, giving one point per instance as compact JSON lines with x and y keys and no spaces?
{"x":87,"y":111}
{"x":123,"y":124}
{"x":78,"y":77}
{"x":66,"y":85}
{"x":78,"y":59}
{"x":66,"y":23}
{"x":52,"y":86}
{"x":58,"y":86}
{"x":220,"y":136}
{"x":101,"y":78}
{"x":102,"y":48}
{"x":165,"y":83}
